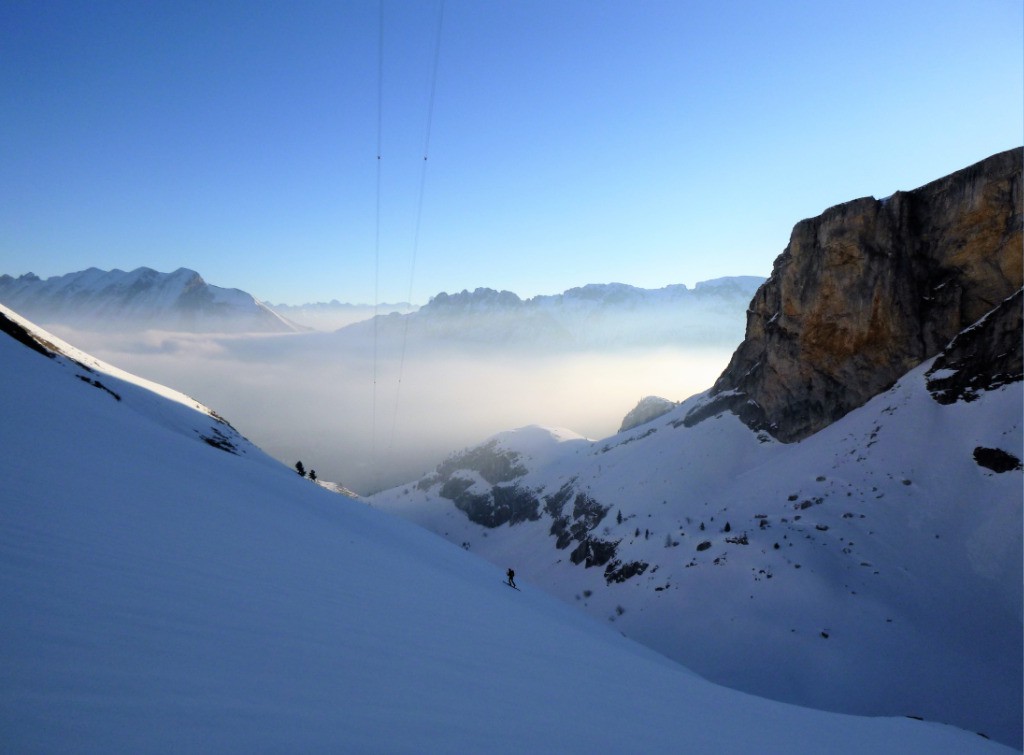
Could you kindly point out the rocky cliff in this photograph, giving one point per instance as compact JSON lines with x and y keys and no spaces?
{"x":868,"y":290}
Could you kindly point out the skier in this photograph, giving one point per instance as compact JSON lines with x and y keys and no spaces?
{"x":512,"y":578}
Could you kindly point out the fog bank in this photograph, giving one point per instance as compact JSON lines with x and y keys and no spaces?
{"x":371,"y":421}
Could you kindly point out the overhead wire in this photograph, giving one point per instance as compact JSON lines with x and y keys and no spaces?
{"x":376,"y":240}
{"x":419,"y":215}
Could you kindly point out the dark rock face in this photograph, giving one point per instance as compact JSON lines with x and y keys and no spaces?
{"x":577,"y":525}
{"x":501,"y":503}
{"x":983,"y":357}
{"x":867,"y":291}
{"x":492,"y":463}
{"x":618,"y":572}
{"x":504,"y":501}
{"x":18,"y":333}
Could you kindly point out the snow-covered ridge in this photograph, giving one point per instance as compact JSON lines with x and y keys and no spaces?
{"x":140,"y":299}
{"x":38,"y":338}
{"x":161,"y":595}
{"x":189,"y":417}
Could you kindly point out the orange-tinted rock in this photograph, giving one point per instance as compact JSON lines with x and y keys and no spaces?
{"x":870,"y":289}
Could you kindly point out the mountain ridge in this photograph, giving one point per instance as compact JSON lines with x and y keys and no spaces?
{"x":598,"y":315}
{"x":140,"y":299}
{"x":591,"y":315}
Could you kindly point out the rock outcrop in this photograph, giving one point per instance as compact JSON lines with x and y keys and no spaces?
{"x":983,"y":357}
{"x":648,"y":409}
{"x":870,"y":289}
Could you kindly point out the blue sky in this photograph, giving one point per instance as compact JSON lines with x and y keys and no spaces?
{"x":570,"y":141}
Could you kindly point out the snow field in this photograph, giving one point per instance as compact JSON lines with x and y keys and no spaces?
{"x":162,"y":594}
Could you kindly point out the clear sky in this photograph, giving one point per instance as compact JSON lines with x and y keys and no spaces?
{"x":646,"y":142}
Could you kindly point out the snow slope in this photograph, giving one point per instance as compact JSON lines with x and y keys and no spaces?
{"x":874,"y":568}
{"x":162,"y":593}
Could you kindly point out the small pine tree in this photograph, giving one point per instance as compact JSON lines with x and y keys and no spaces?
{"x":727,"y":528}
{"x":312,"y":475}
{"x":300,"y":469}
{"x":618,"y":517}
{"x":668,"y":541}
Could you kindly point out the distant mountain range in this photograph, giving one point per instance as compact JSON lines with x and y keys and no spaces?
{"x":596,"y":316}
{"x":138,"y":300}
{"x":593,"y":316}
{"x":334,"y":315}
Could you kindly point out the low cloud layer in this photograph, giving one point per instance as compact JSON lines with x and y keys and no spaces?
{"x":373,"y":420}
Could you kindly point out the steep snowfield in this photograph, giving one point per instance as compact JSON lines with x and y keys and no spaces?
{"x":874,"y":568}
{"x":162,"y":593}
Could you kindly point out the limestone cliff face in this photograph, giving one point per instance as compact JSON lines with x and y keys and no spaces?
{"x":868,"y":290}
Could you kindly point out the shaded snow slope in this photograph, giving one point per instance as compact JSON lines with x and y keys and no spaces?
{"x":873,"y":568}
{"x":162,"y":593}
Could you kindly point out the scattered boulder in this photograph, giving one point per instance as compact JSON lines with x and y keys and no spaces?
{"x":996,"y":459}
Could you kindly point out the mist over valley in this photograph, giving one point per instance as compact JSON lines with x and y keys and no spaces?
{"x":381,"y":401}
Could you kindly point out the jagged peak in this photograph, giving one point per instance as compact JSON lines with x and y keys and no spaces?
{"x":467,"y":299}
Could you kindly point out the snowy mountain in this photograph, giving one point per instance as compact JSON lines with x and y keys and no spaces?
{"x":873,"y":568}
{"x":138,"y":300}
{"x":168,"y":587}
{"x":595,"y":316}
{"x":871,"y":563}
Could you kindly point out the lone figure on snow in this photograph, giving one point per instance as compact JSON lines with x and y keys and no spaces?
{"x":512,"y":578}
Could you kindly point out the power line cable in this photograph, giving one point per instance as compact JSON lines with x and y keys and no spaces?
{"x":419,"y":213}
{"x":376,"y":240}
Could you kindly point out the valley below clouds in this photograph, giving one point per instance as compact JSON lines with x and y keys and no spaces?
{"x":372,"y":421}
